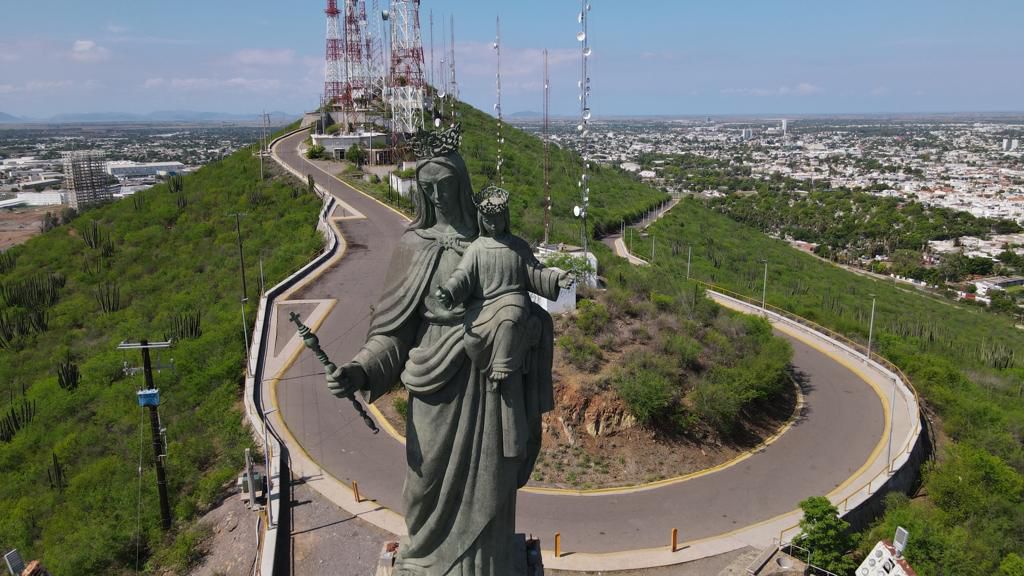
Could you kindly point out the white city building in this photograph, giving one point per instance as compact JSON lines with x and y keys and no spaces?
{"x":128,"y":169}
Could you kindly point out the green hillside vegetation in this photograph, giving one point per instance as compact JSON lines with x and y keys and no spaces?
{"x":966,"y":363}
{"x":615,"y":196}
{"x":851,"y":225}
{"x":162,"y":264}
{"x":685,"y":364}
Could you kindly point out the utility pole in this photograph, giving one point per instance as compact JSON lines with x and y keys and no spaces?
{"x":245,"y":298}
{"x":689,"y":253}
{"x":150,"y":398}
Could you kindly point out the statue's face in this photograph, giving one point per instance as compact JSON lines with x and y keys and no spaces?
{"x":441,"y":185}
{"x":493,"y":224}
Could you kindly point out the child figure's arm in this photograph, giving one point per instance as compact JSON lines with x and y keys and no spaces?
{"x":546,"y":282}
{"x":460,"y":284}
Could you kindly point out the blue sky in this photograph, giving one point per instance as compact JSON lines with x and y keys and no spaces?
{"x":665,"y":57}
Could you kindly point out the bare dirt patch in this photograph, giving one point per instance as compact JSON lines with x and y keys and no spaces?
{"x":19,"y":224}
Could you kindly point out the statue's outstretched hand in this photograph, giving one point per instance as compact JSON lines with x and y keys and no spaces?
{"x":346,"y":380}
{"x":566,"y":280}
{"x":444,"y":297}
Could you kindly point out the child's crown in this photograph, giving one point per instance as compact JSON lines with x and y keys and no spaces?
{"x":491,"y":201}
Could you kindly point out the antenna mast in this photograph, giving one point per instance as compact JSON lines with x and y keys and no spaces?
{"x":407,"y":84}
{"x":453,"y":90}
{"x":582,"y":127}
{"x":547,"y":154}
{"x":497,"y":107}
{"x":333,"y":76}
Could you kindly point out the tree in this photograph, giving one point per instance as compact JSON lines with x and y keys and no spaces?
{"x":355,"y":154}
{"x":1013,"y":565}
{"x":825,"y":535}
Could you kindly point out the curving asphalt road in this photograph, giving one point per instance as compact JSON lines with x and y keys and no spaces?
{"x":838,"y":435}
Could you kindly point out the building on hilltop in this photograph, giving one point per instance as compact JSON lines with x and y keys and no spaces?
{"x":86,"y":180}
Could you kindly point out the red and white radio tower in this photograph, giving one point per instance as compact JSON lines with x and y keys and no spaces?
{"x":407,"y":87}
{"x":334,"y":81}
{"x":355,"y":84}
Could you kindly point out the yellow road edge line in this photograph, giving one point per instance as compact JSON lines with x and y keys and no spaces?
{"x":881,"y":396}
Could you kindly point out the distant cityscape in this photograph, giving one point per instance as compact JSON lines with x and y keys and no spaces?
{"x":34,"y":166}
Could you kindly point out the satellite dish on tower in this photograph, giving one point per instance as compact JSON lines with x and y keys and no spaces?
{"x":577,"y":211}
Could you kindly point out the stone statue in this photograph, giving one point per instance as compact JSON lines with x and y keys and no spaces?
{"x":469,"y":449}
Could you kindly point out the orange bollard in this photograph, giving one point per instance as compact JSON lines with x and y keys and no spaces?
{"x":558,"y":544}
{"x":355,"y":490}
{"x":675,"y":539}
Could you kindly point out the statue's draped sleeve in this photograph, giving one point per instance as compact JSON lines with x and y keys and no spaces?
{"x":542,"y":281}
{"x":395,"y":321}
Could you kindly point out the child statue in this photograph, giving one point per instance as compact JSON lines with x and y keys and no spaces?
{"x":494,"y":277}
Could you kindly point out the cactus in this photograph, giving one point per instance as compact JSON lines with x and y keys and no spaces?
{"x":182,"y":202}
{"x":55,"y":474}
{"x":139,"y":201}
{"x":176,"y":184}
{"x":19,"y":416}
{"x":187,"y":326}
{"x":68,"y":375}
{"x":93,"y":234}
{"x":109,"y":297}
{"x":16,"y":323}
{"x":256,"y":197}
{"x":8,"y":260}
{"x":35,"y":293}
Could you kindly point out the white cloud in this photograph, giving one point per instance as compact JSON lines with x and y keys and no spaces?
{"x":116,"y":28}
{"x":88,"y":51}
{"x":257,"y":57}
{"x":801,"y":89}
{"x":201,"y":84}
{"x":36,"y":86}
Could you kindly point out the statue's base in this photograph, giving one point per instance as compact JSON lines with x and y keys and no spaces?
{"x":527,"y":557}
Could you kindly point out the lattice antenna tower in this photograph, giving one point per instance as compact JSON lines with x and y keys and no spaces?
{"x":378,"y":52}
{"x":547,"y":152}
{"x":406,"y":84}
{"x":431,"y":76}
{"x":583,"y":128}
{"x":497,"y":106}
{"x":355,"y":84}
{"x":334,"y":79}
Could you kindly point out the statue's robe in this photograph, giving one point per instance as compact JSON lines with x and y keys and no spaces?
{"x":460,"y":488}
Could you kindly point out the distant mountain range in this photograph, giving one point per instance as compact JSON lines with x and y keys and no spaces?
{"x":161,"y":116}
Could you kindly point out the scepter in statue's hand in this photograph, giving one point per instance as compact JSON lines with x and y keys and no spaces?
{"x":313,"y":343}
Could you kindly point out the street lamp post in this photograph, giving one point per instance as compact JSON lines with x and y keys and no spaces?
{"x":764,"y":286}
{"x":266,"y":458}
{"x":871,"y":326}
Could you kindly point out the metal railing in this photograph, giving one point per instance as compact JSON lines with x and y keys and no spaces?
{"x":878,"y":480}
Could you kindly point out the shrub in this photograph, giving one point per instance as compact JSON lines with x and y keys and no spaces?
{"x":401,"y":405}
{"x":581,"y":351}
{"x":315,"y":151}
{"x":591,"y":316}
{"x":824,"y":533}
{"x":685,"y":350}
{"x":646,"y":392}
